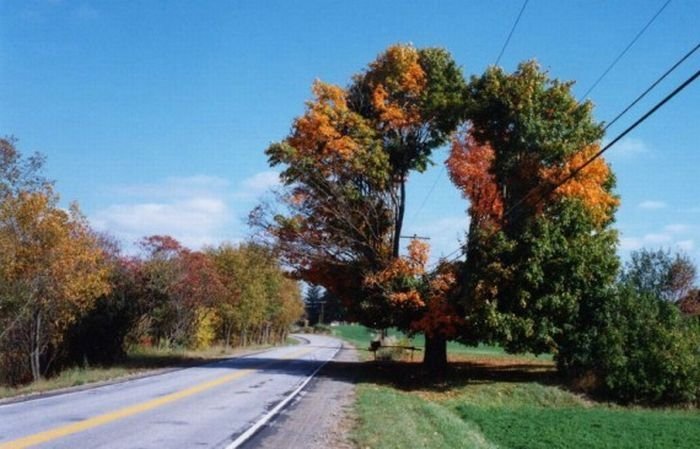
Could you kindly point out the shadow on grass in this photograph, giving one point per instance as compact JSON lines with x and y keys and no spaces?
{"x":409,"y":376}
{"x":404,"y":375}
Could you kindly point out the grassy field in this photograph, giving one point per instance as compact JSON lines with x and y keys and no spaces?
{"x":493,"y":400}
{"x":137,"y":362}
{"x":360,"y":337}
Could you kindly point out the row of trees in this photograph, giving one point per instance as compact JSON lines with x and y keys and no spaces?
{"x":67,"y":294}
{"x":541,"y":271}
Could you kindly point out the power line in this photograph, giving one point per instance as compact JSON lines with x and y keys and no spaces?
{"x":617,"y":59}
{"x":503,"y":49}
{"x":430,"y":192}
{"x":649,"y":89}
{"x":639,"y":121}
{"x":512,"y":29}
{"x":642,"y":95}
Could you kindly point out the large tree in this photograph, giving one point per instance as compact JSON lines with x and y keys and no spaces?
{"x":346,"y":163}
{"x":538,"y":256}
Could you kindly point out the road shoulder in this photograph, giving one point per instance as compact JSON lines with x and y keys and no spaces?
{"x":321,"y":416}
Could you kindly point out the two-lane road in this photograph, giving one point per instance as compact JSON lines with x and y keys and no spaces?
{"x":207,"y":406}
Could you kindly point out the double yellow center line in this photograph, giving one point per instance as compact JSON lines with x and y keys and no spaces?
{"x":69,"y":429}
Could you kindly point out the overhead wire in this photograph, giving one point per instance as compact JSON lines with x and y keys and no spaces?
{"x":654,"y":84}
{"x":626,"y":49}
{"x":512,"y":30}
{"x":503,"y":49}
{"x":639,"y":121}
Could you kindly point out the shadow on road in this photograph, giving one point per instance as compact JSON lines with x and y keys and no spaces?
{"x":407,"y":375}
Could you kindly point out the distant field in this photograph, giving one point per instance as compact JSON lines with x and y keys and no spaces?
{"x":360,"y":336}
{"x":493,"y":400}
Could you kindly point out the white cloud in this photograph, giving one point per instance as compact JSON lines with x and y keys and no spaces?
{"x":651,"y":205}
{"x":191,"y":209}
{"x":196,"y":210}
{"x":666,"y":239}
{"x":677,"y":228}
{"x":656,"y":239}
{"x":686,"y":245}
{"x":630,"y":243}
{"x":174,"y":187}
{"x":628,"y":147}
{"x":257,"y":185}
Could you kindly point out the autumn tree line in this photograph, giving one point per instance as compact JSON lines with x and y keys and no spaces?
{"x":69,"y":296}
{"x":538,"y":271}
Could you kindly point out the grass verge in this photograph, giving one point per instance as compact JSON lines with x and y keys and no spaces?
{"x":495,"y":400}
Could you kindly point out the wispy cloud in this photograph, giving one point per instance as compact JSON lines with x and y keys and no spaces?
{"x":627,"y":148}
{"x":677,"y":228}
{"x":652,"y":205}
{"x":257,"y":185}
{"x":667,"y":238}
{"x":196,"y":210}
{"x":193,"y":209}
{"x":686,"y":245}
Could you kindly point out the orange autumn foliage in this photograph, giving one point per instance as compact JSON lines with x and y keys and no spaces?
{"x":412,"y":265}
{"x":469,"y":166}
{"x":588,"y":185}
{"x":426,"y":295}
{"x":439,"y":319}
{"x":321,"y":132}
{"x":398,"y":82}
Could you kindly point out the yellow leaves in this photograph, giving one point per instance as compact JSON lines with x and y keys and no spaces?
{"x":442,"y":282}
{"x":440,"y":318}
{"x":400,"y":67}
{"x":470,"y":166}
{"x":55,"y":260}
{"x":588,"y":185}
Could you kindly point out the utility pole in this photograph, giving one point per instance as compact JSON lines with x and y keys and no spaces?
{"x":414,"y":237}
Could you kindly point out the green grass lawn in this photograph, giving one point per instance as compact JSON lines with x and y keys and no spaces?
{"x":490,"y":399}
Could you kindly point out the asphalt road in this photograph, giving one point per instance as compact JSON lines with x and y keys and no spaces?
{"x":208,"y":406}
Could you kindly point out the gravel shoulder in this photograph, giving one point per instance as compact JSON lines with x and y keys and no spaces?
{"x":321,"y":416}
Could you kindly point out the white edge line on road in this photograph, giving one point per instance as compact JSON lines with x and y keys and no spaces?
{"x":245,"y":436}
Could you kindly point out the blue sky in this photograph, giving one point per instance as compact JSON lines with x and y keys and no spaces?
{"x":155,"y":115}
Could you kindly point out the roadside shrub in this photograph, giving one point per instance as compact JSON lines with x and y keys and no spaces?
{"x":206,"y":323}
{"x":638,"y":349}
{"x":98,"y":336}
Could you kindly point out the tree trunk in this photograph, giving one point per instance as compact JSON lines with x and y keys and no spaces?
{"x":227,"y":330}
{"x":435,"y":358}
{"x":399,"y":217}
{"x":35,"y":353}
